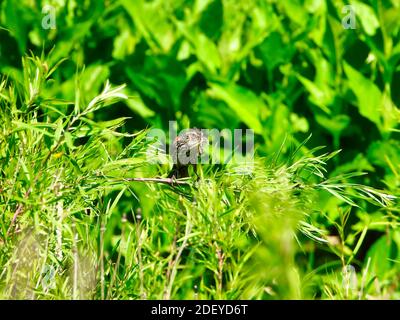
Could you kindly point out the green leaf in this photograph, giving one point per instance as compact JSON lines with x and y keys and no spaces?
{"x":379,"y":152}
{"x":69,"y":140}
{"x":160,"y":78}
{"x":274,"y":51}
{"x":204,"y":48}
{"x":14,"y":13}
{"x":136,"y":104}
{"x":211,"y":20}
{"x":367,"y":17}
{"x":318,"y":96}
{"x":335,"y":124}
{"x":34,"y":127}
{"x":381,"y":253}
{"x":152,"y":21}
{"x":295,"y":11}
{"x":93,"y":79}
{"x":367,"y":93}
{"x":241,"y":100}
{"x":207,"y":52}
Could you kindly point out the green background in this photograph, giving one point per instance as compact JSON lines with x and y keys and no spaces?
{"x":285,"y":69}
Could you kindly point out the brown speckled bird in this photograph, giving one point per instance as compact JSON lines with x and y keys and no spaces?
{"x":186,"y":149}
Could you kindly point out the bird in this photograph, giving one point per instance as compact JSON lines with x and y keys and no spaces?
{"x":186,"y":149}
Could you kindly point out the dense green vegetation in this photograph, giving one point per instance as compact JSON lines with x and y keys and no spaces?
{"x":316,"y":218}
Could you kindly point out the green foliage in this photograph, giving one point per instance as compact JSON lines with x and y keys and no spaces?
{"x":75,"y":103}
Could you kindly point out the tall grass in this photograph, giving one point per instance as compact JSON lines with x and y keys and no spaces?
{"x":73,"y":227}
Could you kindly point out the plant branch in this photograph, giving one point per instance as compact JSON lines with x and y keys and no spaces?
{"x":169,"y":181}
